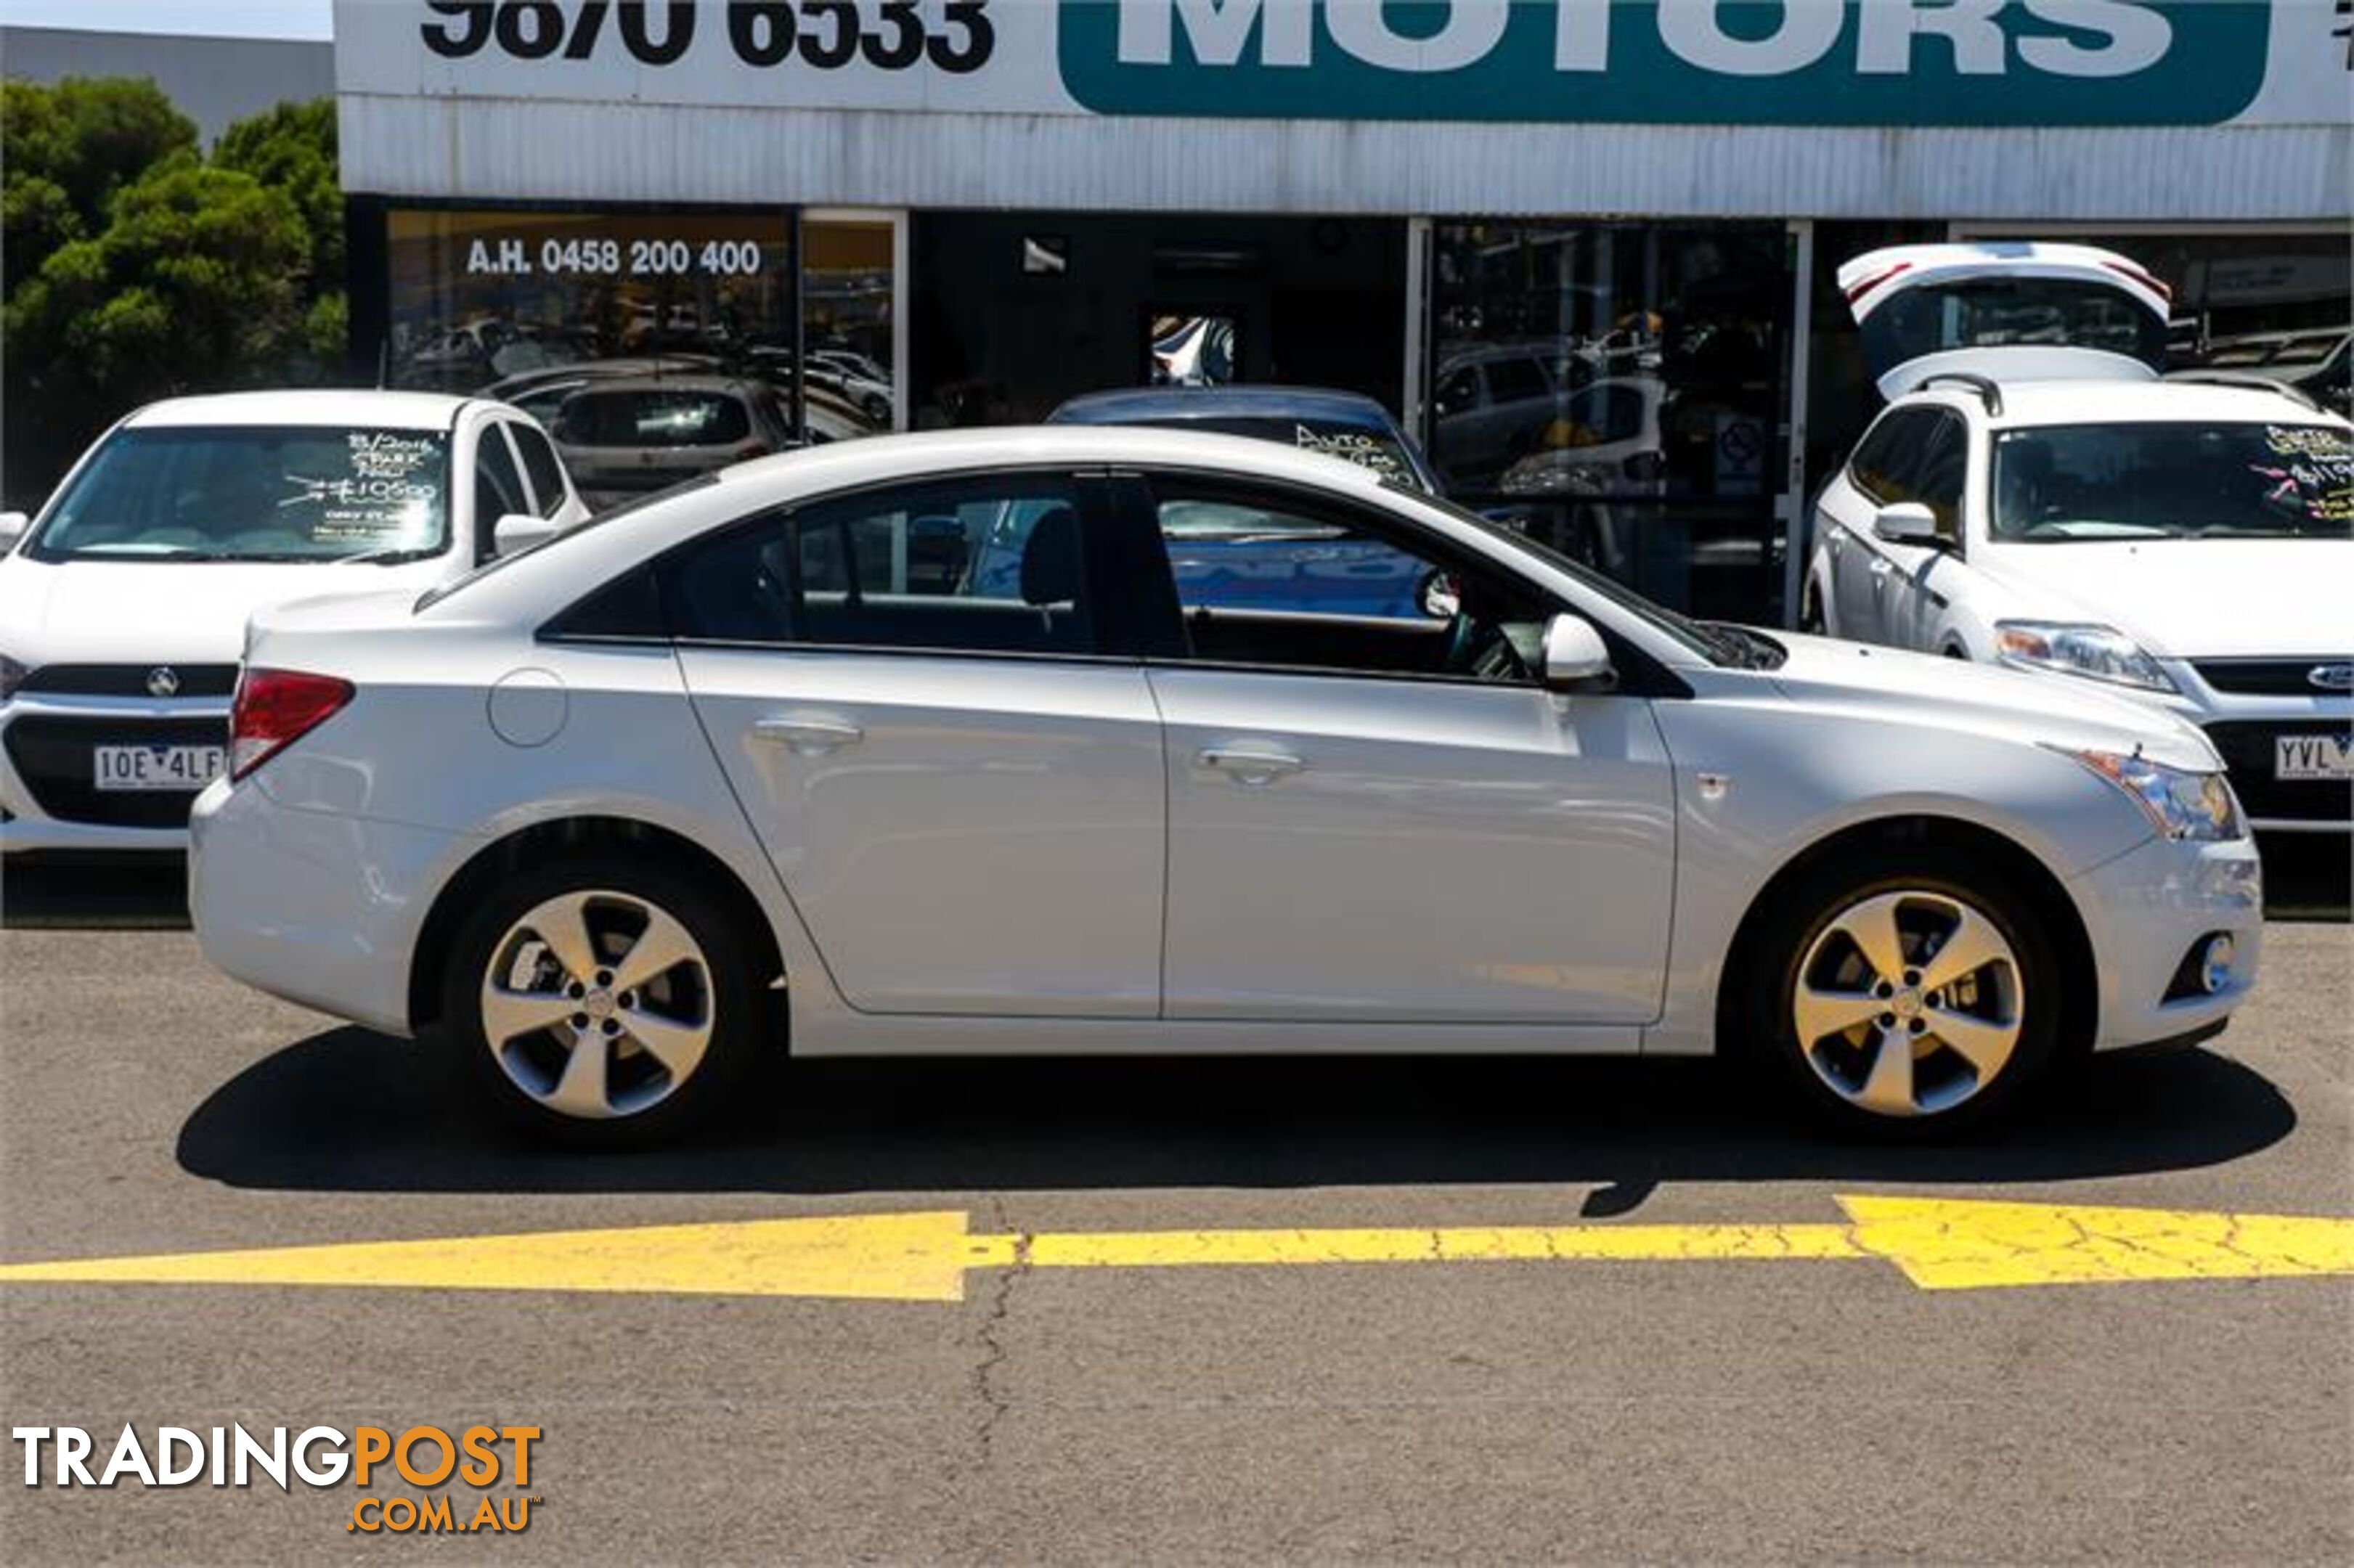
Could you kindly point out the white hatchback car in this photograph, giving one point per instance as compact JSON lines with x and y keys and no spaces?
{"x":2035,"y":496}
{"x":622,"y":814}
{"x":122,"y":609}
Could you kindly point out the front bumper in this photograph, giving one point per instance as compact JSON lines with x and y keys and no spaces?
{"x":2148,"y":909}
{"x":320,"y":909}
{"x":47,"y":801}
{"x":2244,"y":726}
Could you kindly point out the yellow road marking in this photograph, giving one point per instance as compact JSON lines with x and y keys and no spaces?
{"x":1939,"y":1244}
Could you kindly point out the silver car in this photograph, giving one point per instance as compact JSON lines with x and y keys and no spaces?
{"x":623,"y":817}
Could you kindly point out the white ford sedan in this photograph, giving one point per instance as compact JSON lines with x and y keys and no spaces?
{"x":1102,"y":767}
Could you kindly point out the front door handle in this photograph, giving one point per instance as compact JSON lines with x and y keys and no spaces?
{"x":808,"y":736}
{"x":1244,"y":765}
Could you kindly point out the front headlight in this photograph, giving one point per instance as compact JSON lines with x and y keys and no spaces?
{"x":2102,"y":652}
{"x":2179,"y":804}
{"x":12,"y":675}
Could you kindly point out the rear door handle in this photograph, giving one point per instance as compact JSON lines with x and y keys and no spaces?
{"x":807,"y":736}
{"x":1246,"y":765}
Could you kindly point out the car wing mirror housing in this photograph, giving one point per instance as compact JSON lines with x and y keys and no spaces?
{"x":1575,"y":658}
{"x":520,"y":531}
{"x":12,"y":528}
{"x":1908,"y":522}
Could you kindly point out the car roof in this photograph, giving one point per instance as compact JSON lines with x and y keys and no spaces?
{"x":307,"y":406}
{"x":599,"y":386}
{"x":1162,"y":403}
{"x":2130,"y":402}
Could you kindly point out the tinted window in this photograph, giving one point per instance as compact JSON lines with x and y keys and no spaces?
{"x":1945,"y":463}
{"x":297,"y":493}
{"x":991,"y":565}
{"x":539,"y":461}
{"x":1268,"y":580}
{"x":666,"y":418}
{"x":1888,"y":458}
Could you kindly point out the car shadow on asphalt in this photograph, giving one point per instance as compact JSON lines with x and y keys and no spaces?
{"x":350,"y":1110}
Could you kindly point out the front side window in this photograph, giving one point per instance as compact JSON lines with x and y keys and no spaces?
{"x":1943,"y":467}
{"x":239,"y":493}
{"x":2183,"y":479}
{"x":1265,"y":579}
{"x":539,"y":461}
{"x":1888,"y":458}
{"x":994,"y":564}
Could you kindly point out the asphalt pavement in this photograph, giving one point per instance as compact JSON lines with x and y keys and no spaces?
{"x":1552,"y":1408}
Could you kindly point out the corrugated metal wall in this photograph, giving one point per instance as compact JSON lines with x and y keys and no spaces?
{"x":494,"y":148}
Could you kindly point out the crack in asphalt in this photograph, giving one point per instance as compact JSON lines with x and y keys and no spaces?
{"x":994,"y":1404}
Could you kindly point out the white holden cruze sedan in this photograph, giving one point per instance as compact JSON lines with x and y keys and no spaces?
{"x":1085,"y":740}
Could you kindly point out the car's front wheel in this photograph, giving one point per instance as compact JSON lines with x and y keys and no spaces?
{"x":1909,"y":1001}
{"x":604,"y":1001}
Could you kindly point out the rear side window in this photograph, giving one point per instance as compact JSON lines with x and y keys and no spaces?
{"x":539,"y":461}
{"x":666,"y":418}
{"x":990,"y":563}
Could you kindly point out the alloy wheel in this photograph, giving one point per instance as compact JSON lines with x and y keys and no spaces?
{"x":598,"y":1004}
{"x":1908,"y":1003}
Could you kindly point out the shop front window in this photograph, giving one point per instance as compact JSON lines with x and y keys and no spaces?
{"x":571,"y":315}
{"x":1619,"y":391}
{"x":847,"y":328}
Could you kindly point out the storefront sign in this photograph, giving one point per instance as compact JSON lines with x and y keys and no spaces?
{"x":1747,"y":62}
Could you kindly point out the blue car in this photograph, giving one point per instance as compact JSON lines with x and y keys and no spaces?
{"x":1339,"y":424}
{"x":1238,"y":557}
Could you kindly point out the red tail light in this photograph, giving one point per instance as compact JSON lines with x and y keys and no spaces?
{"x":273,"y":709}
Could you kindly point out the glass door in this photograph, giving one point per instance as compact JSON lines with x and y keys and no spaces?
{"x":1621,"y":390}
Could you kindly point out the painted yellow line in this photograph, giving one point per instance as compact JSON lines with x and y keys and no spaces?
{"x":1465,"y":1244}
{"x":1939,"y":1244}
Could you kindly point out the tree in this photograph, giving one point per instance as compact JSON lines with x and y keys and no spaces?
{"x":66,"y":149}
{"x":292,"y":148}
{"x":137,"y":270}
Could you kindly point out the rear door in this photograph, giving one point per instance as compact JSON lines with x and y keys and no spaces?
{"x":959,"y":782}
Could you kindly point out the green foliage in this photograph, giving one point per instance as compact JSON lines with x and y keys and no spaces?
{"x":293,"y":149}
{"x":89,"y":137}
{"x":136,"y":269}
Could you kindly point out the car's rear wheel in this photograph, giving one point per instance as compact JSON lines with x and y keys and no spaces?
{"x":604,"y":1001}
{"x":1908,"y":1002}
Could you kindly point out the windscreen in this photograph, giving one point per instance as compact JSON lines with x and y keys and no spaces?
{"x":2056,"y":483}
{"x":667,"y":418}
{"x":293,"y":493}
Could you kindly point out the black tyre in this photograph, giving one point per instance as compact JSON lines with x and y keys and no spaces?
{"x":608,"y":1002}
{"x":1906,"y":998}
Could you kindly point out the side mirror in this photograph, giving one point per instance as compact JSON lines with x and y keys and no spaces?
{"x":1574,"y":656}
{"x":520,"y":531}
{"x":12,"y":528}
{"x":1908,"y":522}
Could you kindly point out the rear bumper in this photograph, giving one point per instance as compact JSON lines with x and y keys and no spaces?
{"x":2145,"y":911}
{"x":321,"y":910}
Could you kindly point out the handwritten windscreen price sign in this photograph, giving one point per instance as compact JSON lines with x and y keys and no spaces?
{"x":955,"y":35}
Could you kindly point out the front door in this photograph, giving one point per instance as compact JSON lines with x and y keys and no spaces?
{"x":1375,"y":813}
{"x":964,"y":798}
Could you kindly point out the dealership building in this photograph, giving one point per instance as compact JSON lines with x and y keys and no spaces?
{"x":1585,"y":249}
